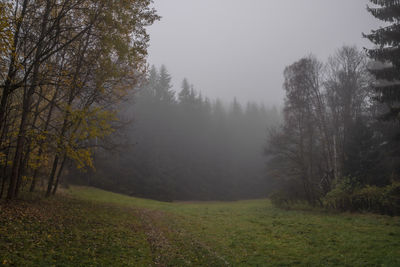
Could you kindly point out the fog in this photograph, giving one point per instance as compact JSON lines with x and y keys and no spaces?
{"x":182,"y":146}
{"x":199,"y":132}
{"x":212,"y":140}
{"x":239,"y":48}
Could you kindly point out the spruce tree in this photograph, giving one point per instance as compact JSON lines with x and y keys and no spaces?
{"x":164,"y":89}
{"x":184,"y":94}
{"x":387,"y":53}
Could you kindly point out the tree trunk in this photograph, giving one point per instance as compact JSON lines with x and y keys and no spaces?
{"x":52,"y":174}
{"x":40,"y":152}
{"x":4,"y":179}
{"x":18,"y":152}
{"x":21,"y":170}
{"x":59,"y":174}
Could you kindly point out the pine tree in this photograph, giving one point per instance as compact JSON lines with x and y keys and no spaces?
{"x":149,"y":89}
{"x":164,"y":89}
{"x":184,"y":94}
{"x":387,"y":52}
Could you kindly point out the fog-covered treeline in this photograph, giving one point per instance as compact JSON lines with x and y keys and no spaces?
{"x":339,"y":143}
{"x":185,"y":146}
{"x":332,"y":146}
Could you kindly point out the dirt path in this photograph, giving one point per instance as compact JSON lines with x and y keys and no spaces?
{"x":173,"y":246}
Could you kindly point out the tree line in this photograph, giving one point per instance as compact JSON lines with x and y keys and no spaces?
{"x":339,"y":143}
{"x":184,"y":146}
{"x":64,"y":65}
{"x":68,"y":72}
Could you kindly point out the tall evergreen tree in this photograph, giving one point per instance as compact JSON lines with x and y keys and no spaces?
{"x":387,"y":52}
{"x":164,"y":89}
{"x":184,"y":94}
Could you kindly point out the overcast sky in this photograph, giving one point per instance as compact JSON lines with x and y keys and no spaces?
{"x":239,"y":48}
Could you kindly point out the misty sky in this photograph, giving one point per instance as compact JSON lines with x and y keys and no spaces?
{"x":229,"y":48}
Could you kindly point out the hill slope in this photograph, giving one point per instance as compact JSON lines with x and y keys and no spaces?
{"x":90,"y":227}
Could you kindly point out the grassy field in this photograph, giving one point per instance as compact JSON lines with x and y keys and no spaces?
{"x":90,"y":227}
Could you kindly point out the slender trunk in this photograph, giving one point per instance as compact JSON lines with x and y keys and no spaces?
{"x":21,"y":170}
{"x":59,"y":174}
{"x":3,"y":183}
{"x":56,"y":159}
{"x":25,"y":160}
{"x":40,"y":152}
{"x":51,"y":178}
{"x":3,"y":103}
{"x":4,"y":174}
{"x":18,"y":151}
{"x":4,"y":170}
{"x":59,"y":146}
{"x":14,"y":170}
{"x":34,"y":180}
{"x":33,"y":184}
{"x":19,"y":177}
{"x":6,"y":128}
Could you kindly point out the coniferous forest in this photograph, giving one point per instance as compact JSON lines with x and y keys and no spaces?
{"x":183,"y":146}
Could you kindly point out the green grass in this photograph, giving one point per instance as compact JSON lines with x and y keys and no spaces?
{"x":91,"y":227}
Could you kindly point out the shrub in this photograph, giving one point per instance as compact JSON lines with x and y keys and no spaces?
{"x":384,"y":200}
{"x":340,"y":197}
{"x":391,"y":200}
{"x":369,"y":198}
{"x":337,"y":199}
{"x":280,"y":199}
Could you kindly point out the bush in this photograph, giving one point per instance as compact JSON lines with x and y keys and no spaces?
{"x":391,"y":200}
{"x":384,"y":200}
{"x":369,"y":199}
{"x":285,"y":200}
{"x":340,"y":197}
{"x":280,"y":199}
{"x":337,"y":199}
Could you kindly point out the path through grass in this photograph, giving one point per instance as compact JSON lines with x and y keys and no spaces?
{"x":90,"y":227}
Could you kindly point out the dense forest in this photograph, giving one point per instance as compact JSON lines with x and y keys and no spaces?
{"x":80,"y":105}
{"x":183,"y":146}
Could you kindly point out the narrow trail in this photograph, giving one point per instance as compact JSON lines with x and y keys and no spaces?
{"x":171,"y":244}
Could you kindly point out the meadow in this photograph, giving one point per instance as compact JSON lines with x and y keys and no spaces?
{"x":90,"y":227}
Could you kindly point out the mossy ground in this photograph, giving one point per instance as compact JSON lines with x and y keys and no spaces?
{"x":91,"y":227}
